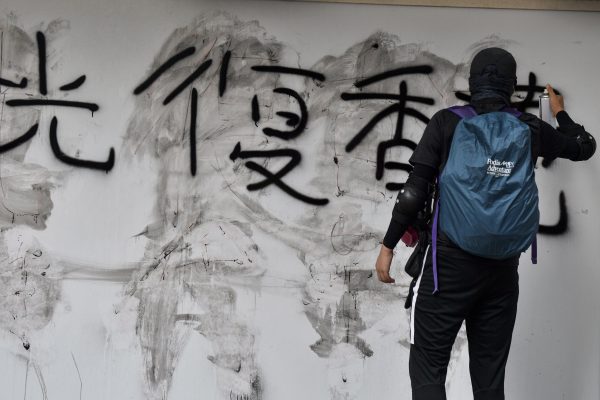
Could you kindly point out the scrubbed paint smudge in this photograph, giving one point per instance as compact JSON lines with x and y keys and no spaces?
{"x":30,"y":289}
{"x":186,"y":288}
{"x":25,"y":194}
{"x":29,"y":278}
{"x":199,"y":253}
{"x":336,"y":243}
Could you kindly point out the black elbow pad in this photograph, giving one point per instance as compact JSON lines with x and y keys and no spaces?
{"x":409,"y":202}
{"x":587,"y":146}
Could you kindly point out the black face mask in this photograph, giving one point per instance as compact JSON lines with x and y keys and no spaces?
{"x":492,"y":76}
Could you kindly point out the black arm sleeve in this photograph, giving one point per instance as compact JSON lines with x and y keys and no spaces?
{"x":394,"y":233}
{"x":419,"y":182}
{"x":570,"y":140}
{"x":425,"y":161}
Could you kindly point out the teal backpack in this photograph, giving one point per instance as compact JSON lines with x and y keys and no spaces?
{"x":488,"y":198}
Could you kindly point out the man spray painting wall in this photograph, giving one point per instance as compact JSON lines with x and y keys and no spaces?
{"x":200,"y":263}
{"x":469,"y":268}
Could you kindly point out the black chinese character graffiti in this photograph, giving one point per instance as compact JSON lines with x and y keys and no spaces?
{"x":43,"y":101}
{"x":400,"y":107}
{"x":297,"y":123}
{"x":187,"y":82}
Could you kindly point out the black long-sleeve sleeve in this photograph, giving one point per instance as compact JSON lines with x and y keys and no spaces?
{"x":394,"y":233}
{"x":570,"y":140}
{"x":420,"y":177}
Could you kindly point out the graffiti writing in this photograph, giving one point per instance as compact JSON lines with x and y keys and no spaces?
{"x":296,"y":121}
{"x":44,"y":101}
{"x":400,"y":108}
{"x":298,"y":124}
{"x":201,"y":69}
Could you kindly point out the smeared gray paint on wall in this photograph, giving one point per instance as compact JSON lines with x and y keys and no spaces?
{"x":29,"y":278}
{"x":199,"y":248}
{"x":29,"y":289}
{"x":334,"y":242}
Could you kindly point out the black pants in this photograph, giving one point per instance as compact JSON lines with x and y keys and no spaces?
{"x":479,"y":291}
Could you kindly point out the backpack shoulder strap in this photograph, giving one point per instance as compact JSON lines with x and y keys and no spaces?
{"x":512,"y":111}
{"x":535,"y":127}
{"x":463,"y":111}
{"x":468,"y":111}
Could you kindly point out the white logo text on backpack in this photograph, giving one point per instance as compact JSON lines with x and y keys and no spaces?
{"x":499,"y":168}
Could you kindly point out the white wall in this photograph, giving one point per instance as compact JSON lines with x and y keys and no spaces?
{"x":231,"y":292}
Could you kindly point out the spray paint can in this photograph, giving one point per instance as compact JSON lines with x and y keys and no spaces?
{"x":545,"y":110}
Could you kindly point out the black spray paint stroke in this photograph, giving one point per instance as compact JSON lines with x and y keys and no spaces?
{"x":386,"y":96}
{"x":104,"y":166}
{"x":302,"y":118}
{"x":292,"y":119}
{"x":73,"y":85}
{"x":255,"y":110}
{"x":60,"y":103}
{"x":417,"y":69}
{"x":8,"y":83}
{"x":193,"y":117}
{"x":531,"y":88}
{"x":562,"y":225}
{"x":20,"y":140}
{"x":188,"y":81}
{"x":41,"y":42}
{"x":223,"y":73}
{"x":295,"y":158}
{"x":164,"y":67}
{"x":287,"y":70}
{"x":359,"y":137}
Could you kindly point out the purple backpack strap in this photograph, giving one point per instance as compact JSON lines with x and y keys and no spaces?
{"x":463,"y":111}
{"x":534,"y":250}
{"x":434,"y":234}
{"x":512,"y":111}
{"x":468,"y":111}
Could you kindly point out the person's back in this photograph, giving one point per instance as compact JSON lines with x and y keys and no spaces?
{"x":457,"y":283}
